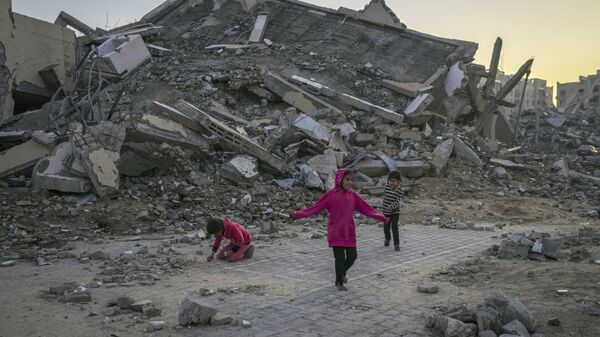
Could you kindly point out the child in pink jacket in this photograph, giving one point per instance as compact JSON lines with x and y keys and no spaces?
{"x":341,"y":202}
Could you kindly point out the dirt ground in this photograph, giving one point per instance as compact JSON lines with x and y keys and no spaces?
{"x":27,"y":311}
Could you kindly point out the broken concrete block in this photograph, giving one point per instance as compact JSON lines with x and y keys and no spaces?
{"x":464,"y":152}
{"x":411,"y":89}
{"x":488,"y":319}
{"x":450,"y":327}
{"x":509,"y":308}
{"x":22,"y":156}
{"x":326,"y":167}
{"x":241,"y":169}
{"x":442,"y":154}
{"x":259,"y":29}
{"x":152,"y":326}
{"x":509,"y":250}
{"x":100,"y":164}
{"x":551,"y":247}
{"x":50,"y":173}
{"x":312,"y":128}
{"x":516,"y":328}
{"x":194,"y":312}
{"x":309,"y":177}
{"x":418,"y":104}
{"x":501,"y":173}
{"x":123,"y":54}
{"x":428,"y":289}
{"x":364,"y":139}
{"x":78,"y":295}
{"x":221,"y":319}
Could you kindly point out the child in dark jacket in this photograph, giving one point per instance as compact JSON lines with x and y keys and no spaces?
{"x":391,"y":208}
{"x":240,"y":246}
{"x":341,"y":202}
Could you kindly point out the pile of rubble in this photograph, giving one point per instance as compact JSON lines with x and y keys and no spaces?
{"x":541,"y":246}
{"x":500,"y":315}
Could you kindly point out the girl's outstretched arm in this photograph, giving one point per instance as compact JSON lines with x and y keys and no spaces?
{"x":367,"y":210}
{"x":319,"y":206}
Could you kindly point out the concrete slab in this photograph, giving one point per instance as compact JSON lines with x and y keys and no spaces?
{"x":259,"y":29}
{"x":411,"y":89}
{"x":22,"y":156}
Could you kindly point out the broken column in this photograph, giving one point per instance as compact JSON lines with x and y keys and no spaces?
{"x":259,"y":29}
{"x":442,"y":154}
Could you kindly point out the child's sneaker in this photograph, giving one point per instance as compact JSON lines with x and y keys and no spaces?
{"x":386,"y":243}
{"x":397,"y":248}
{"x":341,"y":287}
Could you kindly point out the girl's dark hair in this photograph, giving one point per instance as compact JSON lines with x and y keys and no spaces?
{"x":395,"y":175}
{"x":347,"y":173}
{"x":214,"y":226}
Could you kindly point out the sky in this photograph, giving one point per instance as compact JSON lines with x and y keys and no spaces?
{"x":562,"y":36}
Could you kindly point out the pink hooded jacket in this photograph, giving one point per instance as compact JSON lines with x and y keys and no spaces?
{"x":341,"y":204}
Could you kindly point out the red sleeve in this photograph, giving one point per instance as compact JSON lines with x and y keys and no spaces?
{"x":367,"y":210}
{"x":319,"y":206}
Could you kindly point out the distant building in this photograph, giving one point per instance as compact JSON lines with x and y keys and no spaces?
{"x":537,"y":94}
{"x":582,"y":94}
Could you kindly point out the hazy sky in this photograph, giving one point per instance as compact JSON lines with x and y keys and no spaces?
{"x":562,"y":36}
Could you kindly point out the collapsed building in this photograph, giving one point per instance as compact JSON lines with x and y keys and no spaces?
{"x":285,"y":90}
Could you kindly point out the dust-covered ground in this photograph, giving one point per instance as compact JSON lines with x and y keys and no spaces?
{"x":290,"y":267}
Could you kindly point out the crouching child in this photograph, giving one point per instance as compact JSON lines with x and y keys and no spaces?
{"x":240,"y":246}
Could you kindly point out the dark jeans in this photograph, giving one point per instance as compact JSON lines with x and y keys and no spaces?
{"x":393,"y":224}
{"x":344,"y":259}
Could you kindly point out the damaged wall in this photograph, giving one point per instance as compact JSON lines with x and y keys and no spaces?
{"x":32,"y":45}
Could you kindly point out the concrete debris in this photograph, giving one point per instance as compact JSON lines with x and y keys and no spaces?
{"x":50,"y":173}
{"x":428,"y":289}
{"x":408,"y":89}
{"x":464,"y":152}
{"x":309,"y":177}
{"x":194,"y":312}
{"x":22,"y":157}
{"x":260,"y":26}
{"x":442,"y":154}
{"x":122,"y":55}
{"x":241,"y":169}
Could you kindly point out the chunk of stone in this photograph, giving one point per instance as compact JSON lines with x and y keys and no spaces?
{"x":488,"y":319}
{"x":241,"y":169}
{"x":551,"y":247}
{"x":221,"y":319}
{"x":79,"y":295}
{"x":125,"y":302}
{"x":476,"y":205}
{"x":428,"y":289}
{"x":246,"y":324}
{"x":501,"y":173}
{"x":441,"y":154}
{"x":310,"y":178}
{"x":515,"y":327}
{"x":139,"y":305}
{"x":193,"y":311}
{"x":465,"y":153}
{"x":509,"y":308}
{"x":509,"y":250}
